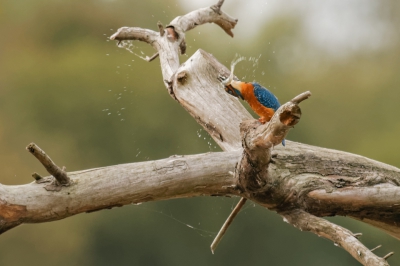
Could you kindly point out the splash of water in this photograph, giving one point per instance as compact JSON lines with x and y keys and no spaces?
{"x":129,"y":46}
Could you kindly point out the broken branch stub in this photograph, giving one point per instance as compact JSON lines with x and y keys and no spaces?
{"x":59,"y":174}
{"x":258,"y":141}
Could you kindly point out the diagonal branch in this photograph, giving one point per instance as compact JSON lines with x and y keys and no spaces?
{"x":59,"y":174}
{"x":339,"y":235}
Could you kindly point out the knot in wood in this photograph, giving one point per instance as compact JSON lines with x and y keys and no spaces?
{"x":182,"y":77}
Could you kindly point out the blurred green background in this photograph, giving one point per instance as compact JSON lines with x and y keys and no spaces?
{"x":66,"y":87}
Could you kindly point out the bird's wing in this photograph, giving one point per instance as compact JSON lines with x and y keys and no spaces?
{"x":265,"y":97}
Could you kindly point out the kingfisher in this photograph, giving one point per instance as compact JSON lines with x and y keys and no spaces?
{"x":261,"y":100}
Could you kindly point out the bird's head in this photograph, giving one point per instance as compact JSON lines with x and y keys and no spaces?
{"x":234,"y":89}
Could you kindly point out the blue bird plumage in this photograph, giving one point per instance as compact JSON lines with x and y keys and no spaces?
{"x":261,"y":100}
{"x":265,"y":97}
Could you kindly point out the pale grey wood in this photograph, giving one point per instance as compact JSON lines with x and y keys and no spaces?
{"x":339,"y":235}
{"x":115,"y":186}
{"x":311,"y":180}
{"x":197,"y":89}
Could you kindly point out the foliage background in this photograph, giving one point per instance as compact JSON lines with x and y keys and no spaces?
{"x":69,"y":89}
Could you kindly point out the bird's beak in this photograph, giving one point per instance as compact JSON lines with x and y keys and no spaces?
{"x":229,"y":89}
{"x":231,"y":84}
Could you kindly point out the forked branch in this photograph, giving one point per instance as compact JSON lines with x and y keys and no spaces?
{"x":299,"y":181}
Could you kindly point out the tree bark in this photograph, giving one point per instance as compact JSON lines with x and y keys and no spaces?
{"x":114,"y":186}
{"x":299,"y":181}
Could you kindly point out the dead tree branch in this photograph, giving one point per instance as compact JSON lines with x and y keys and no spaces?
{"x":300,"y":182}
{"x":339,"y":235}
{"x":115,"y":186}
{"x":59,"y":174}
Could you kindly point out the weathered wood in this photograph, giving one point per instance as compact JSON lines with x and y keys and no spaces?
{"x":59,"y":174}
{"x":196,"y":87}
{"x":299,"y":181}
{"x":115,"y":186}
{"x":339,"y":235}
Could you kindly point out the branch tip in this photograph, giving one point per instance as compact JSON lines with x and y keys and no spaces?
{"x":160,"y":28}
{"x":375,"y":248}
{"x":357,"y":235}
{"x":301,"y":97}
{"x":59,"y":174}
{"x":154,"y":56}
{"x":36,"y":176}
{"x":217,"y":7}
{"x":220,"y":2}
{"x":388,"y":255}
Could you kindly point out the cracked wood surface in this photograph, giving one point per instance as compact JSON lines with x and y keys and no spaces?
{"x":300,"y":177}
{"x":114,"y":186}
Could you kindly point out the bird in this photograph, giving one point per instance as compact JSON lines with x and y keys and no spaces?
{"x":263,"y":102}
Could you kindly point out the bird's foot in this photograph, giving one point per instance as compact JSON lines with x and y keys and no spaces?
{"x":262,"y":120}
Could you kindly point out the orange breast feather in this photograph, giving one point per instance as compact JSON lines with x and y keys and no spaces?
{"x":248,"y":95}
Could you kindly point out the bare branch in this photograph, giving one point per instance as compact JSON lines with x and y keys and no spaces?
{"x":388,"y":255}
{"x":212,"y":14}
{"x":379,"y":204}
{"x":295,"y":184}
{"x":160,"y":28}
{"x":154,"y":56}
{"x":299,"y":98}
{"x":219,"y":4}
{"x":134,"y":33}
{"x":59,"y":174}
{"x":227,"y":223}
{"x":339,"y":235}
{"x":168,"y":47}
{"x":273,"y":132}
{"x":115,"y":186}
{"x":375,"y":248}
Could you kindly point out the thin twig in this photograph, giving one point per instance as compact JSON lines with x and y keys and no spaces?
{"x":154,"y":56}
{"x":375,"y":248}
{"x":388,"y":255}
{"x":160,"y":28}
{"x":217,"y":6}
{"x":301,"y":97}
{"x":51,"y":167}
{"x":228,"y":222}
